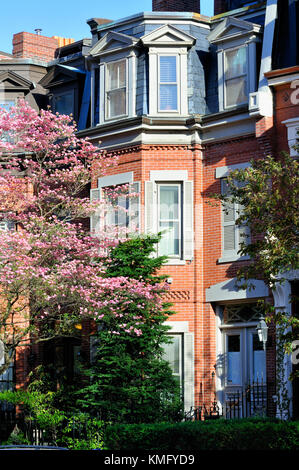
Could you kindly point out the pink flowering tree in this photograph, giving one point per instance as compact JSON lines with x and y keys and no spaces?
{"x":52,"y":273}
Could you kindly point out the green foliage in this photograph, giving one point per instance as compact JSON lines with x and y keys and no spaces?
{"x":268,"y":193}
{"x":134,"y":259}
{"x":129,"y":380}
{"x":243,"y":434}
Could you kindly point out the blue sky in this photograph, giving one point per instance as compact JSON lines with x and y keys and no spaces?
{"x":67,"y":18}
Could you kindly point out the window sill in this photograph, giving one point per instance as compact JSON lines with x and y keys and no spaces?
{"x":175,"y":262}
{"x":232,"y":258}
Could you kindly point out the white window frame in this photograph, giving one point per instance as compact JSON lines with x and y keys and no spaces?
{"x":176,"y":83}
{"x":227,"y":106}
{"x":154,"y":81}
{"x":228,"y":256}
{"x":151,"y":210}
{"x":187,"y":366}
{"x":117,"y":116}
{"x":97,"y":222}
{"x":178,"y":220}
{"x":231,"y":34}
{"x":292,"y":126}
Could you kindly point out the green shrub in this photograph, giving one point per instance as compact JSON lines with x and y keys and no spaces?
{"x":243,"y":434}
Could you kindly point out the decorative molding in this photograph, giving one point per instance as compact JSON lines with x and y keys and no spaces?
{"x":177,"y":295}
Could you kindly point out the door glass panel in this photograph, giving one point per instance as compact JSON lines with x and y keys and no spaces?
{"x":233,"y":360}
{"x":259,"y":359}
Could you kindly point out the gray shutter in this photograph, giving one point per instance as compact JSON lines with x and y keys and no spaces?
{"x":188,"y":371}
{"x":149,"y":207}
{"x":228,"y":221}
{"x":95,"y":195}
{"x":188,"y":231}
{"x":134,"y":210}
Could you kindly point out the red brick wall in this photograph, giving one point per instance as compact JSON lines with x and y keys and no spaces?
{"x":176,"y":5}
{"x":34,"y":46}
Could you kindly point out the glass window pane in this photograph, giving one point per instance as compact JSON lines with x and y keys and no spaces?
{"x":116,"y":102}
{"x":259,"y":359}
{"x":169,"y":202}
{"x":64,"y":103}
{"x":168,"y":69}
{"x":116,"y":75}
{"x":170,"y":243}
{"x":236,"y":63}
{"x":168,"y":97}
{"x":172,"y":354}
{"x":235,"y":91}
{"x":233,"y":360}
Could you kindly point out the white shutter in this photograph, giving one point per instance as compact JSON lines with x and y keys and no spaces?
{"x":134,"y":210}
{"x":188,"y":371}
{"x":149,"y":208}
{"x":95,"y":195}
{"x":188,"y":232}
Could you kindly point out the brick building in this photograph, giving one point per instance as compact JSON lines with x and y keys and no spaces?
{"x":182,"y":99}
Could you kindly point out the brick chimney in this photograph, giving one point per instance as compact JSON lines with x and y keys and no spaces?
{"x":177,"y":5}
{"x":36,"y":46}
{"x":220,"y":6}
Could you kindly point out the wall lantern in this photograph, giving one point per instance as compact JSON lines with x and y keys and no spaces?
{"x":262,"y":331}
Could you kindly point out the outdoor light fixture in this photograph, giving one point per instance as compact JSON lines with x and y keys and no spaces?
{"x":262,"y":331}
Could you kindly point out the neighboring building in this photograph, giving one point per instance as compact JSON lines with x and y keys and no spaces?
{"x":21,"y":71}
{"x":182,"y":99}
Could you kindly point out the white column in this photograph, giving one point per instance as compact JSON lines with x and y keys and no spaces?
{"x":282,"y":303}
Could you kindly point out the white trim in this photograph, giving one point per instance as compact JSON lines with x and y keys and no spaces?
{"x":292,"y":126}
{"x":223,"y":171}
{"x":168,"y":175}
{"x":113,"y":180}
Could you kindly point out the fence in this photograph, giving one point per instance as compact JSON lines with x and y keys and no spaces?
{"x":242,"y":403}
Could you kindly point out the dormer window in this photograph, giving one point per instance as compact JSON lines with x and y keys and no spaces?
{"x":236,"y":42}
{"x":113,"y":75}
{"x":235,"y":77}
{"x":168,"y":49}
{"x":116,"y":89}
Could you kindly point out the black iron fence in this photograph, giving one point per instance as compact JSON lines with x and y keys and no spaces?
{"x":240,"y":403}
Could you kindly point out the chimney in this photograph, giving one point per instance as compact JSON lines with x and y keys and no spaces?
{"x":35,"y":46}
{"x":177,"y":5}
{"x":220,"y":6}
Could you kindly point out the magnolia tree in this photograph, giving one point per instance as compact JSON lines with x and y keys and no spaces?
{"x":51,"y":268}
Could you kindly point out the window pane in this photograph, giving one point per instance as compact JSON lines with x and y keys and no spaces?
{"x":259,"y":359}
{"x":116,"y":75}
{"x":64,"y":103}
{"x":169,"y":201}
{"x":235,"y":91}
{"x":116,"y":102}
{"x":233,"y":360}
{"x":235,"y":63}
{"x":172,"y":354}
{"x":170,"y":243}
{"x":168,"y":97}
{"x":168,"y":69}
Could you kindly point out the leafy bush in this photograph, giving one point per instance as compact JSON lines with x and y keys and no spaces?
{"x":243,"y":434}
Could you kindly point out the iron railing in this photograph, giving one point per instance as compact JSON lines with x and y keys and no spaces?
{"x":240,"y":403}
